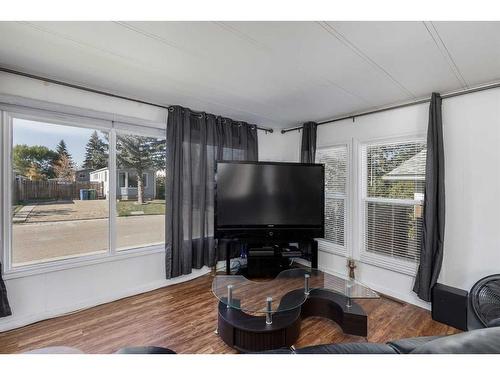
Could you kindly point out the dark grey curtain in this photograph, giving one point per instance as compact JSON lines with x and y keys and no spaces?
{"x":4,"y":302}
{"x":431,"y":254}
{"x":194,"y":142}
{"x":308,"y":148}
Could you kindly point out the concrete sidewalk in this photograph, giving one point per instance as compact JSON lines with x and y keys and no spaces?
{"x":69,"y":210}
{"x":22,"y":215}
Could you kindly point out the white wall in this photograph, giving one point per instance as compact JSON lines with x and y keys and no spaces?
{"x":11,"y":84}
{"x":41,"y":296}
{"x":395,"y":123}
{"x":286,"y":147}
{"x":472,"y":149}
{"x":472,"y":162}
{"x":45,"y":295}
{"x":279,"y":147}
{"x":472,"y":155}
{"x":38,"y":297}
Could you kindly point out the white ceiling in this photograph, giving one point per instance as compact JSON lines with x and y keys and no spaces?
{"x":276,"y":74}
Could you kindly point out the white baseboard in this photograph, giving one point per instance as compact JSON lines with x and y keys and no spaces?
{"x":9,"y":323}
{"x":13,"y":322}
{"x":399,"y":296}
{"x":408,"y":297}
{"x":389,"y":292}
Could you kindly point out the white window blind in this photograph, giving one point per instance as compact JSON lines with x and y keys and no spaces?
{"x":336,"y":184}
{"x":393,"y":191}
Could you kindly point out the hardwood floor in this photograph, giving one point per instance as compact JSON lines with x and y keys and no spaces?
{"x":183,"y":317}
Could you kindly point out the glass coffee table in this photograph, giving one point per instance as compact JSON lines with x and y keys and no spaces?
{"x":263,"y":315}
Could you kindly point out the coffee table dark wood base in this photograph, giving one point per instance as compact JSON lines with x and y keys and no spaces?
{"x":248,"y":333}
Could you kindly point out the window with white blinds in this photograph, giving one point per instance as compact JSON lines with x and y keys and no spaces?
{"x":335,"y":160}
{"x":393,"y":181}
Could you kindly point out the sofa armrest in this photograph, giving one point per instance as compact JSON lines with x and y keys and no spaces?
{"x":479,"y":341}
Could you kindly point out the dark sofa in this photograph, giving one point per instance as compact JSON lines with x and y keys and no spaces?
{"x":481,"y":341}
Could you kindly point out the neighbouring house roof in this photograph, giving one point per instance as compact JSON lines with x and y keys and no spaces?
{"x":118,"y":170}
{"x":21,"y":177}
{"x":99,"y":170}
{"x":412,"y":169}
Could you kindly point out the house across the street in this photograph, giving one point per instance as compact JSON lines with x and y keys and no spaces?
{"x":126,"y":187}
{"x":82,"y":175}
{"x":411,"y":170}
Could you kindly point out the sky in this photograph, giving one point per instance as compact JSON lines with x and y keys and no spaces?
{"x":34,"y":133}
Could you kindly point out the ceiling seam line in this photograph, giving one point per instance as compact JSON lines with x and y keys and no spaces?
{"x":451,"y":56}
{"x":160,"y":39}
{"x":445,"y":54}
{"x":100,"y":92}
{"x":242,"y":35}
{"x":92,"y":47}
{"x":30,"y":24}
{"x":59,"y":35}
{"x":341,"y":38}
{"x":231,"y":30}
{"x":153,"y":36}
{"x":353,"y":94}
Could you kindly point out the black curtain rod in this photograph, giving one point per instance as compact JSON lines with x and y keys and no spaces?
{"x":95,"y":91}
{"x":452,"y":94}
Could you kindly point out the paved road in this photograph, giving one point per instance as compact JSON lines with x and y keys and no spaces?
{"x":35,"y":241}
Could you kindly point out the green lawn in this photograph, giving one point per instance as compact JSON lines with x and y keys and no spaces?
{"x":125,"y":208}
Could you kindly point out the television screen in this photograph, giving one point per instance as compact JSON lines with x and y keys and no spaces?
{"x":279,"y":195}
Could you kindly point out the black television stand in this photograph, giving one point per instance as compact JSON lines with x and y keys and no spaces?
{"x":308,"y":249}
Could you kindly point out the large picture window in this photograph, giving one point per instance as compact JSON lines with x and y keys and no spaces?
{"x":393,"y":181}
{"x":57,"y":211}
{"x":335,"y":160}
{"x":140,"y":202}
{"x":60,"y":190}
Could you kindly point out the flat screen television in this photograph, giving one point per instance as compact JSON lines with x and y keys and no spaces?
{"x":269,"y":200}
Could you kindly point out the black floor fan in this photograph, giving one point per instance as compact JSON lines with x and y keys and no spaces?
{"x":485,"y":300}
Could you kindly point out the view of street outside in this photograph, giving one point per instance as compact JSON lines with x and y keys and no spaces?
{"x":61,"y":192}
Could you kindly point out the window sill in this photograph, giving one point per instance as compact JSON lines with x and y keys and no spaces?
{"x":83,"y":261}
{"x":331,"y":248}
{"x":399,"y":266}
